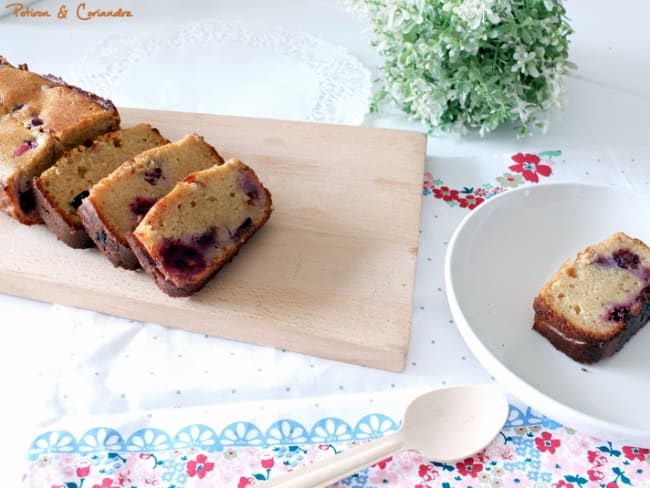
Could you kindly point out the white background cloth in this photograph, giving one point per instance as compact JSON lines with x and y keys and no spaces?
{"x":65,"y":367}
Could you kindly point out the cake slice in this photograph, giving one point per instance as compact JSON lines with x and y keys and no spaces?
{"x":40,"y":118}
{"x":17,"y":85}
{"x":24,"y":153}
{"x":72,"y":115}
{"x":118,"y":202}
{"x":192,"y":232}
{"x":60,"y":189}
{"x":596,"y":303}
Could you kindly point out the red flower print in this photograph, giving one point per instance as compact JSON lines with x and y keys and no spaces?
{"x":445,"y":193}
{"x":199,"y":467}
{"x":596,"y":459}
{"x":145,"y":455}
{"x":106,"y":483}
{"x":267,"y":461}
{"x":595,"y":475}
{"x":546,"y":443}
{"x":123,"y":478}
{"x":82,"y":467}
{"x":529,"y":166}
{"x":633,"y":453}
{"x":469,"y":467}
{"x":382,"y":464}
{"x":470,"y":201}
{"x":562,"y":484}
{"x":427,"y":472}
{"x":611,"y":484}
{"x":244,"y":482}
{"x":509,"y":180}
{"x":428,"y":181}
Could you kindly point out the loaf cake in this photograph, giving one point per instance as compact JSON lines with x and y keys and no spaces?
{"x":118,"y":202}
{"x":72,"y":115}
{"x":40,"y":118}
{"x":60,"y":189}
{"x":24,"y":153}
{"x":596,"y":303}
{"x":17,"y":85}
{"x":192,"y":232}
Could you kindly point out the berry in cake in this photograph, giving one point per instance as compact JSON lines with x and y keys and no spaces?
{"x":17,"y":85}
{"x":119,"y":201}
{"x":24,"y":153}
{"x":60,"y":189}
{"x":40,"y":118}
{"x":596,"y":303}
{"x":198,"y":227}
{"x":72,"y":115}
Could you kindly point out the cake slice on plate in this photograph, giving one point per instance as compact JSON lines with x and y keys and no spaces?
{"x":596,"y":303}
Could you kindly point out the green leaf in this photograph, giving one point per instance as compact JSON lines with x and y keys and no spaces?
{"x":453,"y":77}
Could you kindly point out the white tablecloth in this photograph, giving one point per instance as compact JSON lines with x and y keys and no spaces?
{"x":68,"y":368}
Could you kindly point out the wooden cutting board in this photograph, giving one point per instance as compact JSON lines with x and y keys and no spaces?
{"x":331,"y":274}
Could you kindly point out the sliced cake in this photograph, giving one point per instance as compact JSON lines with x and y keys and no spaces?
{"x":72,"y":115}
{"x":118,"y":202}
{"x":60,"y":189}
{"x":193,"y":231}
{"x":39,"y":116}
{"x":17,"y":85}
{"x":594,"y":304}
{"x":24,"y":153}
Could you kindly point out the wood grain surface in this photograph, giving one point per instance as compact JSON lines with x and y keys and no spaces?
{"x":331,"y":274}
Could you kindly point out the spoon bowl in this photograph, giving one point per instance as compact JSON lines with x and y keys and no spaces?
{"x":442,"y":425}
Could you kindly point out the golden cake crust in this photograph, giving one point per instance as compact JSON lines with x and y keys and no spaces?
{"x":112,"y":209}
{"x":593,"y":305}
{"x":18,"y":85}
{"x":36,"y":106}
{"x":62,"y":187}
{"x":200,"y":226}
{"x":73,"y":235}
{"x":24,"y":153}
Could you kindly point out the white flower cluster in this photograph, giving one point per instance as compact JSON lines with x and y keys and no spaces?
{"x":474,"y":12}
{"x":460,"y":64}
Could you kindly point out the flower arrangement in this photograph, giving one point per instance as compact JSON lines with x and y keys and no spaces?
{"x":471,"y":64}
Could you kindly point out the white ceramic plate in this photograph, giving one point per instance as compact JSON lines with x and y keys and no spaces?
{"x":498,"y":259}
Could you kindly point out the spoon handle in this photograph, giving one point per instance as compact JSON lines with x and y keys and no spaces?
{"x":329,"y":471}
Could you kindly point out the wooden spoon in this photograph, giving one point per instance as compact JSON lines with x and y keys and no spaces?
{"x":443,"y":425}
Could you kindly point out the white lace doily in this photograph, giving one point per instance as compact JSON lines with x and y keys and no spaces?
{"x":232,"y":68}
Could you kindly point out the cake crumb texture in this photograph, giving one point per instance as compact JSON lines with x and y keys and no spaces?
{"x":594,"y":304}
{"x":119,"y":201}
{"x":40,"y":118}
{"x":60,"y":189}
{"x":192,"y":232}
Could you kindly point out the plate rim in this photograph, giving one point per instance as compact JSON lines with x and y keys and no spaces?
{"x":551,"y":407}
